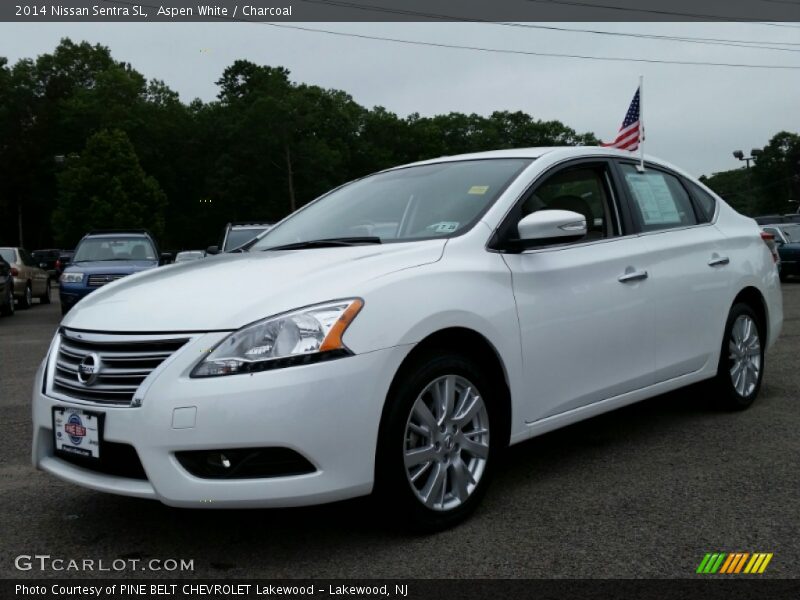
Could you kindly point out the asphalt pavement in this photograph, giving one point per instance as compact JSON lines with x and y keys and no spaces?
{"x":644,"y":491}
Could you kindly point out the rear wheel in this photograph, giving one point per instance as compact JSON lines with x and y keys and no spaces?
{"x":27,"y":297}
{"x":741,"y":362}
{"x":45,"y":298}
{"x":439,"y":439}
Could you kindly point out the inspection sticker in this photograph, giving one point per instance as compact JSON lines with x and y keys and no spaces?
{"x":478,"y":190}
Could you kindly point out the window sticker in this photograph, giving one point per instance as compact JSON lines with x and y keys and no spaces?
{"x":654,"y":198}
{"x":478,"y":190}
{"x":444,"y":226}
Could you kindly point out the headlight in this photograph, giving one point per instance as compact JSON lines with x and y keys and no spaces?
{"x":298,"y":337}
{"x":71,"y":277}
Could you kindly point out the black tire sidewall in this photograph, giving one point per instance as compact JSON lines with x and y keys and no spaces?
{"x":391,"y":483}
{"x":728,"y":397}
{"x":45,"y":299}
{"x":24,"y":302}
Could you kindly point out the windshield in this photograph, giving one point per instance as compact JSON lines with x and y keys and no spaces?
{"x":412,"y":203}
{"x":8,"y":255}
{"x":239,"y":237}
{"x":791,"y":232}
{"x":116,"y":248}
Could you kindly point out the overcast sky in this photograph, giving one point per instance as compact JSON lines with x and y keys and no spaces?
{"x":695,"y":116}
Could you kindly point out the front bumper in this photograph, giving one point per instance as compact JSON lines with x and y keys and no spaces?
{"x":70,"y":293}
{"x":328,"y":412}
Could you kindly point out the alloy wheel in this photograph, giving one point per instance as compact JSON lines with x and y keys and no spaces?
{"x":446,"y":443}
{"x":745,"y":355}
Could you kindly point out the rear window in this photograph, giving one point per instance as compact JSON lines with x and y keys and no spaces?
{"x":705,"y":202}
{"x":117,"y":248}
{"x":8,"y":255}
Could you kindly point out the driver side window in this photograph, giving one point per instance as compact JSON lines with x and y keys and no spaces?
{"x":581,"y":189}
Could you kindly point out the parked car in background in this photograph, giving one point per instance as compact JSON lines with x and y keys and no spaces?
{"x":64,"y":259}
{"x":769,"y":240}
{"x":787,"y":240}
{"x":516,"y":292}
{"x":105,"y":256}
{"x":6,"y":289}
{"x":46,"y":259}
{"x":236,"y":235}
{"x":189,"y":255}
{"x":30,"y":281}
{"x":772,"y":219}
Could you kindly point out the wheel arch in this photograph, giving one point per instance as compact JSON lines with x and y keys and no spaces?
{"x":470,"y":342}
{"x":753,"y":297}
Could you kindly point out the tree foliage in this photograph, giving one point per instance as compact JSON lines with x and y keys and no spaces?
{"x":770,"y":186}
{"x":264,"y":147}
{"x":105,"y":187}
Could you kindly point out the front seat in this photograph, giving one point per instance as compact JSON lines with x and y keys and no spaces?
{"x":580,"y":206}
{"x":138,"y":252}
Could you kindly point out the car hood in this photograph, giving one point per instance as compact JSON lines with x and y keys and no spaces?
{"x":111,"y":267}
{"x":227,"y":291}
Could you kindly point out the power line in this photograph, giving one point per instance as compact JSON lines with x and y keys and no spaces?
{"x":661,"y":12}
{"x":489,"y":50}
{"x":524,"y":52}
{"x":683,"y":39}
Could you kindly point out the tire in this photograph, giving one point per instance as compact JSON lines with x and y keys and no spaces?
{"x":742,"y":349}
{"x":8,"y":308}
{"x":454,"y":465}
{"x":27,"y":297}
{"x":45,"y":298}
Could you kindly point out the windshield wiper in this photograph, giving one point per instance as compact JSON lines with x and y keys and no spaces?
{"x":328,"y":243}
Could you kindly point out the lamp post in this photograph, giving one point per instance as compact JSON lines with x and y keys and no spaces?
{"x":754,"y":154}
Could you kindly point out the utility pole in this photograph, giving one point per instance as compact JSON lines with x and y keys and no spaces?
{"x":19,"y":224}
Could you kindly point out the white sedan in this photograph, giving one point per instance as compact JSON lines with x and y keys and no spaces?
{"x":395,"y":334}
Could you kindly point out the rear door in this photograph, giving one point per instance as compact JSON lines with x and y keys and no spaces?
{"x":690,"y":272}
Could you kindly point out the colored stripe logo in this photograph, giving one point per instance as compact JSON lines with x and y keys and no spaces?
{"x":734,"y":563}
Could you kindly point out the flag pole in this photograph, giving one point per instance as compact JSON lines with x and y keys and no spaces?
{"x":641,"y":123}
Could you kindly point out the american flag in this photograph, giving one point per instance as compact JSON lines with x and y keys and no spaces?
{"x":631,"y":132}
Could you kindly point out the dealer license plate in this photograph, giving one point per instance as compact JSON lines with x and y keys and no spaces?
{"x":77,"y":432}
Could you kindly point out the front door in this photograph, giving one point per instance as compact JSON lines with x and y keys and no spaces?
{"x":585,"y":309}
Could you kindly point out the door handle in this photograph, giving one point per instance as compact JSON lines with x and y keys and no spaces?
{"x":718,"y":261}
{"x":632,"y":275}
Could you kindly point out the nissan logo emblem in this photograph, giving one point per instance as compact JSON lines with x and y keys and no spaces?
{"x":89,"y":369}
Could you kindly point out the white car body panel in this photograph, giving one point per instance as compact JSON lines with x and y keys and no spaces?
{"x":572,"y":340}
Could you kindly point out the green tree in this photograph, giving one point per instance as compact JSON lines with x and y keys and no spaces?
{"x":106,"y":187}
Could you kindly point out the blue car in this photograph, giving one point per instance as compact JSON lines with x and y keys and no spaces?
{"x":105,"y":256}
{"x":787,"y":239}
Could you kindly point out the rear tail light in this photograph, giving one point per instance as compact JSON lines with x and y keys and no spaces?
{"x":14,"y":272}
{"x":769,"y":240}
{"x":58,"y":265}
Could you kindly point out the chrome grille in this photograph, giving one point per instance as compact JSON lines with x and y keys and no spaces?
{"x":125,"y":361}
{"x":98,"y":280}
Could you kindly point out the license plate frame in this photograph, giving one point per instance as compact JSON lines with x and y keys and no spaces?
{"x":87,"y":426}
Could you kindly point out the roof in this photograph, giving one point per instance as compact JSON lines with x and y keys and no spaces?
{"x":557,"y":152}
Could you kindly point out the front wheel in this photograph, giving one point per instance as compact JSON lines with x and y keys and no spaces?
{"x":439,"y":437}
{"x":741,"y":361}
{"x":27,"y":297}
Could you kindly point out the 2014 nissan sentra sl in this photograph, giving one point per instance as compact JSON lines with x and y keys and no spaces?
{"x":394,"y":335}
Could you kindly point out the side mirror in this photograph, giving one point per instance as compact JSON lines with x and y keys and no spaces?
{"x":551,"y":226}
{"x":212,"y":250}
{"x":166,"y":258}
